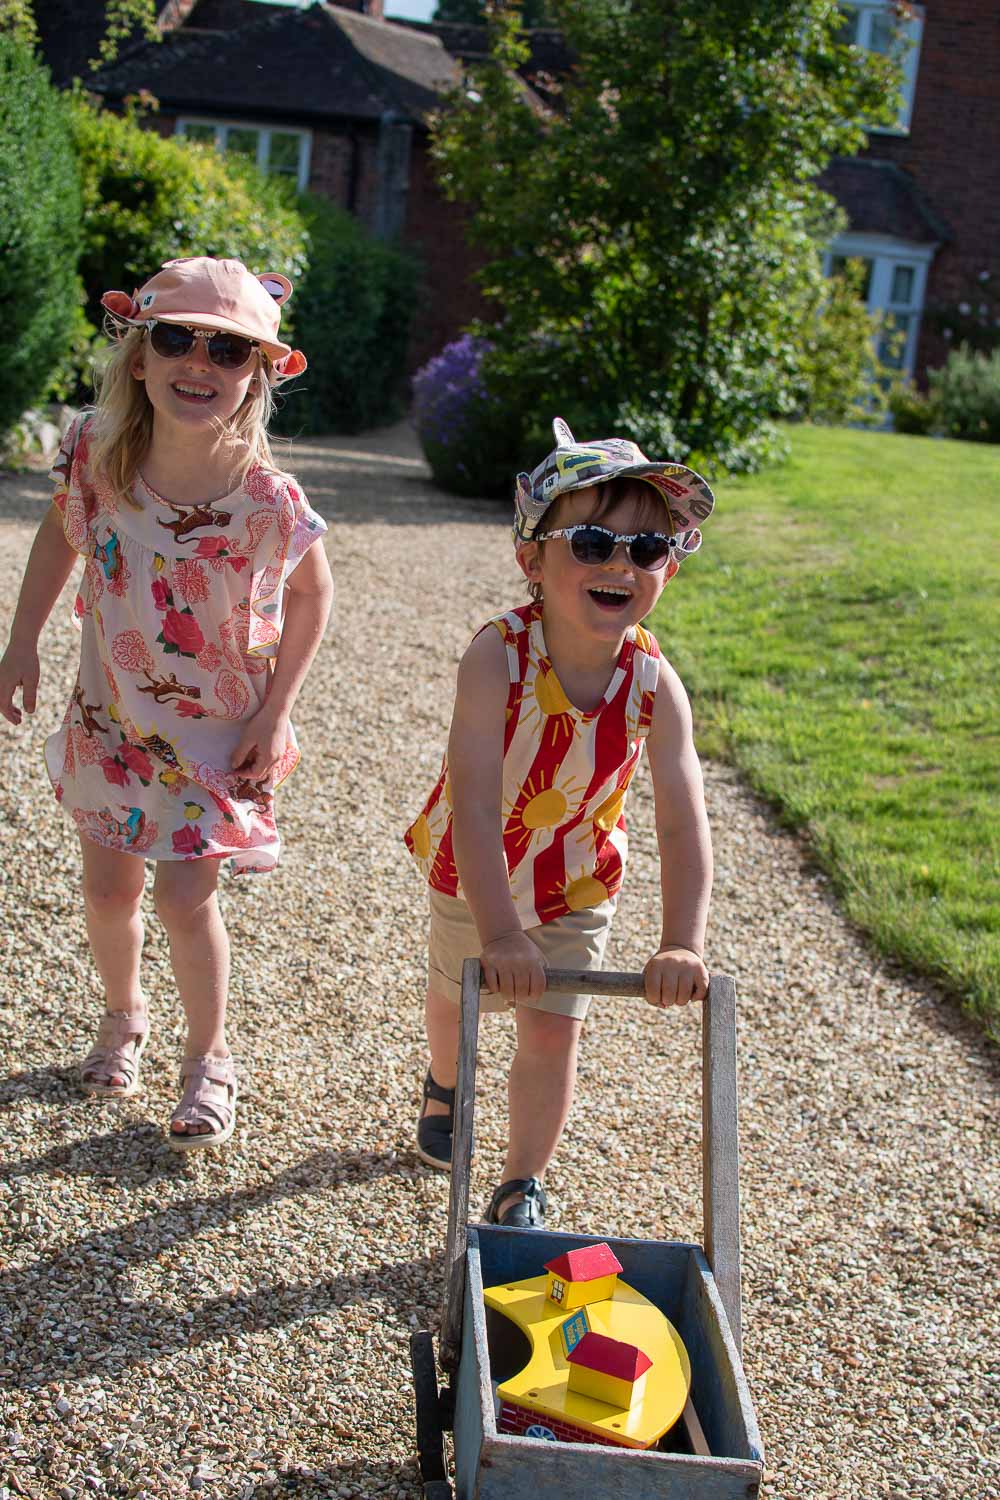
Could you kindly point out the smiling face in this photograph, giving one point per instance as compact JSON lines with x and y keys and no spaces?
{"x":600,"y":601}
{"x":191,"y":391}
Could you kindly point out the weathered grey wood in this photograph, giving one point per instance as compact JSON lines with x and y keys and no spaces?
{"x":589,"y":982}
{"x":474,"y":1420}
{"x":512,"y":1468}
{"x":718,"y":1385}
{"x":720,"y":1147}
{"x":461,"y":1165}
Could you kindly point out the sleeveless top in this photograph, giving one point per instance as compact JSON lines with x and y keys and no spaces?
{"x":180,"y":609}
{"x":565,"y":776}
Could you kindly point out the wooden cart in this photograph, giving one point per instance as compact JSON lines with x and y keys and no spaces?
{"x":715,"y":1452}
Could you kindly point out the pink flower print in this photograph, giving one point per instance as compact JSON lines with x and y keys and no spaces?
{"x":114,"y":770}
{"x":262,"y":488}
{"x":130,"y":651}
{"x":231,"y":836}
{"x":211,"y":546}
{"x":138,"y":761}
{"x":88,"y":751}
{"x":209,"y":657}
{"x":189,"y":840}
{"x":190,"y":581}
{"x":182,"y":633}
{"x":162,"y":597}
{"x":238,"y":563}
{"x":186,"y":708}
{"x":79,"y":608}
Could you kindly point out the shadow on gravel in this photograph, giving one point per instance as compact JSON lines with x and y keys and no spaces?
{"x":57,"y":1084}
{"x":390,"y":1479}
{"x":91,"y":1276}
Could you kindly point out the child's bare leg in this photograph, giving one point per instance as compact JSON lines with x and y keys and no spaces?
{"x":539,"y":1090}
{"x":112,"y":895}
{"x":184,"y":893}
{"x":441,"y":1017}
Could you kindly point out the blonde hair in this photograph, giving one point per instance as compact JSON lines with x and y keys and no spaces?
{"x":122,"y":424}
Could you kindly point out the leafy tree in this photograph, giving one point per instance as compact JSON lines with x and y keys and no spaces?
{"x":654,"y":246}
{"x":123,"y":19}
{"x":473,"y":12}
{"x":39,"y":231}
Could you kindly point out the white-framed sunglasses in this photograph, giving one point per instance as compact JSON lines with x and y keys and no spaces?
{"x":593,"y":545}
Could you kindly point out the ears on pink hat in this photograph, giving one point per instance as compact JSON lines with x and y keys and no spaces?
{"x":292,"y":364}
{"x":120,"y":304}
{"x":278,"y":287}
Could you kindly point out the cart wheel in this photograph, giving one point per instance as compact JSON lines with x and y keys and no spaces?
{"x":430,"y":1441}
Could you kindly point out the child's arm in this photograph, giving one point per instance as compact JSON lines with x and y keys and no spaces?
{"x":49,"y":565}
{"x":512,"y":965}
{"x":676,"y":973}
{"x":310,"y":596}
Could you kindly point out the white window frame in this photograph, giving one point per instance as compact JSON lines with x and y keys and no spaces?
{"x":886,"y":254}
{"x":264,"y":132}
{"x":912,"y":31}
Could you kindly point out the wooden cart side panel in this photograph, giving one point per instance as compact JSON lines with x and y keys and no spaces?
{"x":531,"y":1469}
{"x":474,"y":1417}
{"x":719,"y":1386}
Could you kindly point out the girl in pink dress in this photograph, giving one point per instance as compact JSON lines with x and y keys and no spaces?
{"x":202,"y":604}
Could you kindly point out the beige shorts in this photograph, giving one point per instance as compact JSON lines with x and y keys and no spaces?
{"x":575,"y":941}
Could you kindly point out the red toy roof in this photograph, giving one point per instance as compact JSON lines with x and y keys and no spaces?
{"x":596,"y":1351}
{"x":586,"y":1263}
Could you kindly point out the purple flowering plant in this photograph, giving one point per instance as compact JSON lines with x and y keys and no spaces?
{"x":468,"y":438}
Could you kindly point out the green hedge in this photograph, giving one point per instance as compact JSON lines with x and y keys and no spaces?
{"x":353,"y":312}
{"x":147,"y":199}
{"x":39,"y":232}
{"x":966,"y":395}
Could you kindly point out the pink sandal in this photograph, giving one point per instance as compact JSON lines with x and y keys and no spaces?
{"x":203,"y":1104}
{"x":121,"y":1038}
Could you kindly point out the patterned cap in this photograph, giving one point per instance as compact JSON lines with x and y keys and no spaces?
{"x":574,"y":466}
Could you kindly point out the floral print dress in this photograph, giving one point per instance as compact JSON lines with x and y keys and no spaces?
{"x":180,"y":610}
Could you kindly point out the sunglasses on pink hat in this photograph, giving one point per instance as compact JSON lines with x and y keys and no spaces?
{"x":230,"y":308}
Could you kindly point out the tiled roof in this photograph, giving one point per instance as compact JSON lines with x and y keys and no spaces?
{"x":323,"y":62}
{"x":596,"y":1351}
{"x":585,"y":1263}
{"x":880,"y":198}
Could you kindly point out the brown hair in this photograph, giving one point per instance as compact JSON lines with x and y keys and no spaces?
{"x":609,"y":493}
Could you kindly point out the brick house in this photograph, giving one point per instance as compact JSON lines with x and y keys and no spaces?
{"x":338,"y":97}
{"x":332,"y":96}
{"x":923,"y":199}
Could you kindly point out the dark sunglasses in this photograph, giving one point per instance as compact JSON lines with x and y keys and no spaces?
{"x":229,"y":351}
{"x":592,"y":545}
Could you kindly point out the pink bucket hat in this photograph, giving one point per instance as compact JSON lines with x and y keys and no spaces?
{"x":573,"y":466}
{"x":214,"y":294}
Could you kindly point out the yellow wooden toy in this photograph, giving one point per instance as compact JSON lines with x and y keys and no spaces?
{"x":614,"y":1371}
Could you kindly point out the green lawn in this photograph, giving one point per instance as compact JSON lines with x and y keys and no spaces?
{"x":839,"y":635}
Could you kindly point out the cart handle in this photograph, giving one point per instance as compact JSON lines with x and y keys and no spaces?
{"x":719,"y":1136}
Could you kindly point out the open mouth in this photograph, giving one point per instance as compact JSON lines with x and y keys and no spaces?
{"x":198,"y":394}
{"x":609,"y":598}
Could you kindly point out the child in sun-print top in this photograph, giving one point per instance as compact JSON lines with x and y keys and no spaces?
{"x":523,"y":841}
{"x":203,"y":600}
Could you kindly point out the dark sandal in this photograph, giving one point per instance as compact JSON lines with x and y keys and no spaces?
{"x":529,"y":1213}
{"x":435,"y":1132}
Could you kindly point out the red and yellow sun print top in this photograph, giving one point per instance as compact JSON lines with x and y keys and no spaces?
{"x":565,"y":776}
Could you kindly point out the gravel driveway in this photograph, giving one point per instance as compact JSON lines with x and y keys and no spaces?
{"x":237,"y":1323}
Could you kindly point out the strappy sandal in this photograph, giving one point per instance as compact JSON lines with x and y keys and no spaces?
{"x":435,"y":1132}
{"x":121,"y":1039}
{"x":529,"y":1213}
{"x":202,"y":1104}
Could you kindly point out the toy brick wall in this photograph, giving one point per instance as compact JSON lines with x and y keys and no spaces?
{"x":951,"y":152}
{"x":517,"y":1420}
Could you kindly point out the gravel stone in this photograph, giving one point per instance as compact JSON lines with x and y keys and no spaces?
{"x":239,"y":1320}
